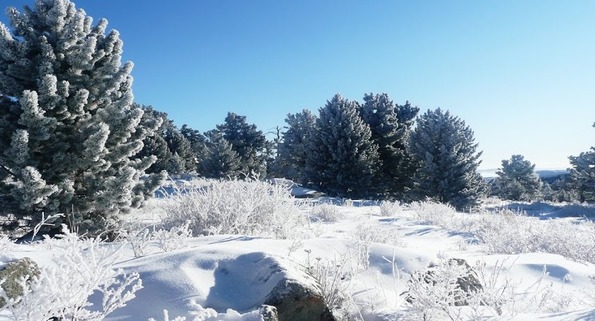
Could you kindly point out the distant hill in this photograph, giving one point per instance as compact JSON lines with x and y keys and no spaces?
{"x":549,"y":173}
{"x":545,"y":174}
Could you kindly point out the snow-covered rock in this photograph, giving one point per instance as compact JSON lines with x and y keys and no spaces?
{"x":222,"y":273}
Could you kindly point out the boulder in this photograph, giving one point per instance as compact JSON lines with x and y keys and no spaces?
{"x":12,"y":273}
{"x":45,"y":231}
{"x":296,"y":301}
{"x":269,"y":313}
{"x":467,"y":282}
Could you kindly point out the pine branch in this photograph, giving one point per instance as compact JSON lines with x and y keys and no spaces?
{"x":8,"y":171}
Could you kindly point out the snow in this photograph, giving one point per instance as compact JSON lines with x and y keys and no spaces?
{"x":214,"y":274}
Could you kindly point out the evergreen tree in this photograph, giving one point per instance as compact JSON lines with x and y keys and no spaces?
{"x":156,"y":144}
{"x":517,"y":180}
{"x":174,"y":150}
{"x":582,"y":175}
{"x":390,"y":132}
{"x":293,"y":149}
{"x":447,"y":154}
{"x":247,"y":141}
{"x":565,"y":189}
{"x":197,"y":145}
{"x":221,"y":160}
{"x":68,"y":129}
{"x":342,"y":159}
{"x":183,"y":160}
{"x":406,"y":114}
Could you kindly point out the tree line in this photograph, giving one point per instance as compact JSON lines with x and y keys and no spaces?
{"x":74,"y":142}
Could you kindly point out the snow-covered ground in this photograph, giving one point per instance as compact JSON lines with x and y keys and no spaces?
{"x":369,"y":252}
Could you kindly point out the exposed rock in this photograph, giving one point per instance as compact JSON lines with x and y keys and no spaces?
{"x":467,"y":282}
{"x":297,"y":302}
{"x":46,"y":230}
{"x":12,"y":274}
{"x":269,"y":313}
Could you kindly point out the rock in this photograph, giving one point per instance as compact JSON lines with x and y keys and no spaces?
{"x":297,"y":302}
{"x":13,"y":272}
{"x":467,"y":282}
{"x":269,"y":313}
{"x":49,"y":231}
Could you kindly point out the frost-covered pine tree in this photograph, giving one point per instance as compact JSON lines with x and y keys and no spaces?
{"x":390,"y":126}
{"x":517,"y":180}
{"x":69,"y":132}
{"x":198,"y":144}
{"x":221,"y":160}
{"x":447,"y":154}
{"x":183,"y":160}
{"x":293,"y":149}
{"x":342,"y":159}
{"x":582,"y":174}
{"x":247,"y":141}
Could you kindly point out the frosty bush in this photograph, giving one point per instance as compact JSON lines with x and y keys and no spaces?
{"x":326,"y":212}
{"x":141,"y":236}
{"x":433,"y":295}
{"x":207,"y":314}
{"x":236,"y":207}
{"x":388,"y":208}
{"x":81,"y":268}
{"x":334,"y":277}
{"x":434,"y":213}
{"x":172,"y":239}
{"x":5,"y":243}
{"x":367,"y":234}
{"x":511,"y":232}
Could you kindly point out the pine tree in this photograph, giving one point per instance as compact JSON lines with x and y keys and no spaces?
{"x":293,"y":149}
{"x":183,"y":160}
{"x":342,"y":159}
{"x":172,"y":146}
{"x":447,"y":154}
{"x":156,"y":144}
{"x":247,"y":141}
{"x":582,"y":174}
{"x":68,"y":129}
{"x":390,"y":132}
{"x":197,"y":145}
{"x":517,"y":180}
{"x":221,"y":160}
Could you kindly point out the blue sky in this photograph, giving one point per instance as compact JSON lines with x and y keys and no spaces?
{"x":520,"y":73}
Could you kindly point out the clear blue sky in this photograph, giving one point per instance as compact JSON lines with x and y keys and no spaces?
{"x":520,"y":73}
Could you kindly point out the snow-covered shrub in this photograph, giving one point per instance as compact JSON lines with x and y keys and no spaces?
{"x":433,"y":294}
{"x":512,"y":232}
{"x":433,"y":213}
{"x":172,"y":239}
{"x":334,"y":277}
{"x":366,"y":235}
{"x":497,"y":292}
{"x":236,"y":207}
{"x":80,"y":269}
{"x":141,"y":236}
{"x":5,"y":243}
{"x":326,"y":212}
{"x":138,"y":238}
{"x":506,"y":231}
{"x":388,"y":208}
{"x":206,"y":314}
